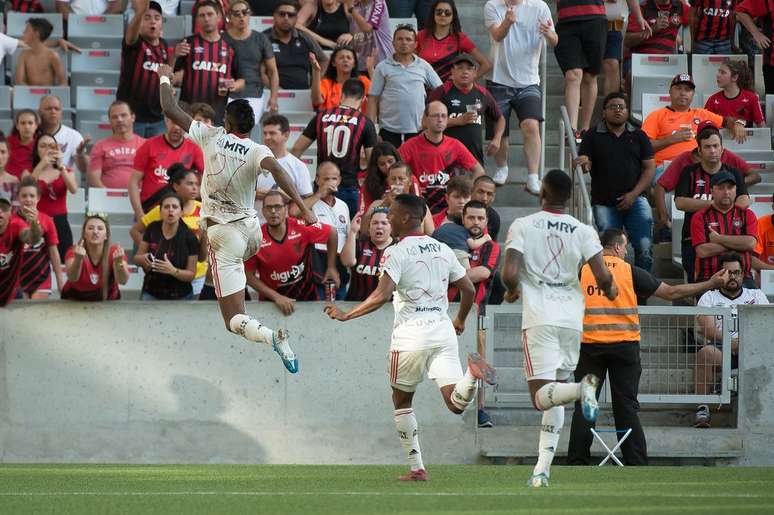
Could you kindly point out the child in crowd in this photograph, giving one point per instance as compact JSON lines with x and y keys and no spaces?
{"x":460,"y":241}
{"x":39,"y":65}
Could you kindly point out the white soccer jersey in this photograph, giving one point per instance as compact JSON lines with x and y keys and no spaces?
{"x":422,"y":269}
{"x":716,"y":299}
{"x":231,"y":168}
{"x":554,"y":247}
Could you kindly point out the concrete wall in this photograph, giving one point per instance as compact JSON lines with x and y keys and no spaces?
{"x":163,"y":382}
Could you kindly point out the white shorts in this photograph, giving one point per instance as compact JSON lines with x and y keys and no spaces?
{"x":231,"y":244}
{"x":407,"y":368}
{"x":550,"y":352}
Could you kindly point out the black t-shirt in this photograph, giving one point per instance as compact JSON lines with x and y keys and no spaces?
{"x":330,"y":25}
{"x":493,"y":222}
{"x":458,"y":102}
{"x":694,"y":182}
{"x":178,"y":249}
{"x":263,"y":7}
{"x":616,"y":161}
{"x":645,"y":284}
{"x":293,"y":59}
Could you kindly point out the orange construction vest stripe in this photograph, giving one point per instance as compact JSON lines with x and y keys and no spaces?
{"x":607,"y":321}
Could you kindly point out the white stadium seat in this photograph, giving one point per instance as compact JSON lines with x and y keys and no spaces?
{"x":114,"y":202}
{"x":296,"y":101}
{"x":653,"y":67}
{"x":136,"y":276}
{"x":176,"y":28}
{"x":97,"y":130}
{"x":101,"y":31}
{"x":28,"y":97}
{"x":757,"y":139}
{"x":651,"y":102}
{"x":92,"y":103}
{"x":17,"y":22}
{"x":5,"y":102}
{"x":96,"y":68}
{"x":261,"y":23}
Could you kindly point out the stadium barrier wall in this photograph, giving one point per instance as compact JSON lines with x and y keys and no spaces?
{"x":162,"y":382}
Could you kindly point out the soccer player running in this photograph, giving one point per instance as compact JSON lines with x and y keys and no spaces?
{"x":232,"y":164}
{"x":421,"y":268}
{"x":544,"y":252}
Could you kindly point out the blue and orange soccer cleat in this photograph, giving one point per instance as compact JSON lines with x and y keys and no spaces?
{"x":279,"y":342}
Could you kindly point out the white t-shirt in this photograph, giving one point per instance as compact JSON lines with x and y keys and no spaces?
{"x":88,"y":7}
{"x":716,"y":299}
{"x":68,"y":139}
{"x":298,"y":172}
{"x":231,"y":168}
{"x":8,"y":45}
{"x":337,"y":216}
{"x":554,"y":246}
{"x":516,"y":59}
{"x":422,"y":268}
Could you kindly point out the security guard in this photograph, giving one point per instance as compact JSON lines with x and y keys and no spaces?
{"x":610,"y":344}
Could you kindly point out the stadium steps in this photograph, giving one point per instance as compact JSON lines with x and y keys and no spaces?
{"x":499,"y":443}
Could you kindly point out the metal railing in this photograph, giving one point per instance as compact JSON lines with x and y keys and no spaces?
{"x":543,"y":96}
{"x":580,"y":203}
{"x":670,"y":342}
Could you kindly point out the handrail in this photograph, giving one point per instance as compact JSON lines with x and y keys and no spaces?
{"x":581,"y":202}
{"x":543,"y":95}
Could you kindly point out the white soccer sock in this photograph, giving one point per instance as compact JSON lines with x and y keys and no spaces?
{"x":406,"y":424}
{"x":464,"y":391}
{"x":250,"y":329}
{"x":556,"y":394}
{"x":553,"y":420}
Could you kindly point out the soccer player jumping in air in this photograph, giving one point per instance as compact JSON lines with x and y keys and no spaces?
{"x":418,"y":270}
{"x":544,"y":253}
{"x":232,"y":164}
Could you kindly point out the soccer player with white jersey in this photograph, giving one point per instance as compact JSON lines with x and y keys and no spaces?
{"x":418,"y":270}
{"x":232,"y":165}
{"x":544,"y":253}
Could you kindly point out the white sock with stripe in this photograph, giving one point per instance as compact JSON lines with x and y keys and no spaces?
{"x":556,"y":394}
{"x":406,"y":424}
{"x":251,"y":329}
{"x":553,"y":420}
{"x":464,"y":391}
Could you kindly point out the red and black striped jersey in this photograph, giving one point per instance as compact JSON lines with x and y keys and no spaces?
{"x":26,"y":6}
{"x":11,"y":252}
{"x":734,"y":222}
{"x":662,"y":41}
{"x":286,"y":265}
{"x":341,"y":132}
{"x":36,"y":262}
{"x":714,"y":19}
{"x":487,"y":255}
{"x":138,"y":84}
{"x":576,"y":10}
{"x":764,"y":11}
{"x":694,"y":183}
{"x":367,"y":270}
{"x":203,"y":68}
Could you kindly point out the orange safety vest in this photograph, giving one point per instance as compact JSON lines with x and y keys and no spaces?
{"x":607,"y":321}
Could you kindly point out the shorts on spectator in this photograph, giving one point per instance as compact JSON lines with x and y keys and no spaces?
{"x":407,"y":368}
{"x":581,"y":45}
{"x":526,"y":102}
{"x":548,"y":349}
{"x":614,"y":45}
{"x":230,"y":245}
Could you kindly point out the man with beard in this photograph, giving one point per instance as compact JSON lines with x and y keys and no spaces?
{"x":709,"y":357}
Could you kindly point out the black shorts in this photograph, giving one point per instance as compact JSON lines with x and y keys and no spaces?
{"x":581,"y":45}
{"x":526,"y":102}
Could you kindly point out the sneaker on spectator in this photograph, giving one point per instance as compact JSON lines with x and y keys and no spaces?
{"x":533,"y":184}
{"x":484,"y":420}
{"x":702,"y":417}
{"x":665,"y":234}
{"x":500,"y":176}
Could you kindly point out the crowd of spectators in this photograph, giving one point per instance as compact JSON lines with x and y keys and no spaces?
{"x":395,"y":110}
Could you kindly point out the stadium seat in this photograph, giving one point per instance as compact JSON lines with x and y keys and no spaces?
{"x":295,"y":101}
{"x":17,"y":21}
{"x":5,"y":102}
{"x":76,"y":208}
{"x":678,"y":218}
{"x":763,"y":167}
{"x":97,"y":130}
{"x":653,"y":101}
{"x":114,"y":202}
{"x":176,"y":28}
{"x":760,"y":87}
{"x":757,"y":139}
{"x":704,"y":68}
{"x":298,"y":118}
{"x":96,"y":68}
{"x":92,"y":103}
{"x":186,"y":7}
{"x":136,"y":276}
{"x":261,"y":23}
{"x":403,"y":21}
{"x":28,"y":97}
{"x":6,"y":125}
{"x":311,"y":163}
{"x":769,"y":110}
{"x":767,"y":283}
{"x":650,"y":71}
{"x":760,"y":203}
{"x":103,"y":31}
{"x":295,"y":132}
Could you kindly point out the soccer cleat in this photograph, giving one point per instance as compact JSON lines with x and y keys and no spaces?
{"x":481,"y":369}
{"x":500,"y":175}
{"x":588,"y":386}
{"x":484,"y":420}
{"x":538,"y":481}
{"x":279,"y":342}
{"x":414,"y":475}
{"x":702,"y":417}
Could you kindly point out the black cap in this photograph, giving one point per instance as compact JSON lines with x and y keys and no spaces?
{"x":721,"y":177}
{"x":465,"y":58}
{"x":156,"y":7}
{"x":5,"y":197}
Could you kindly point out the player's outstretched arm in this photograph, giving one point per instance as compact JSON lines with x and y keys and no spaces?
{"x":603,"y":276}
{"x":467,"y":293}
{"x":283,"y":180}
{"x":513,"y":259}
{"x":380,"y":296}
{"x":168,"y":102}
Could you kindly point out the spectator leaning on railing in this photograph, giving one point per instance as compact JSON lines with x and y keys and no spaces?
{"x":15,"y":232}
{"x":111,"y":160}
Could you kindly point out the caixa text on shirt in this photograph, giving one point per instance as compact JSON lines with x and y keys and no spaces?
{"x":340,"y":118}
{"x":208,"y":66}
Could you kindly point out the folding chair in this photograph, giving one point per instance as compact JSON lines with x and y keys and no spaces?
{"x":102,"y":31}
{"x":611,"y":453}
{"x":93,"y":103}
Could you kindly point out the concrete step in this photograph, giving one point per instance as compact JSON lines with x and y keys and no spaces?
{"x":513,"y":195}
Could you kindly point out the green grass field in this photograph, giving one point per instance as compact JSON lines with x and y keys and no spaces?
{"x":216,"y":489}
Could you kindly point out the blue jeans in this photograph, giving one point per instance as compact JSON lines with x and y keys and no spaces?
{"x":712,"y":47}
{"x":150,"y":129}
{"x":407,"y":8}
{"x":638,"y":222}
{"x":351,"y":197}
